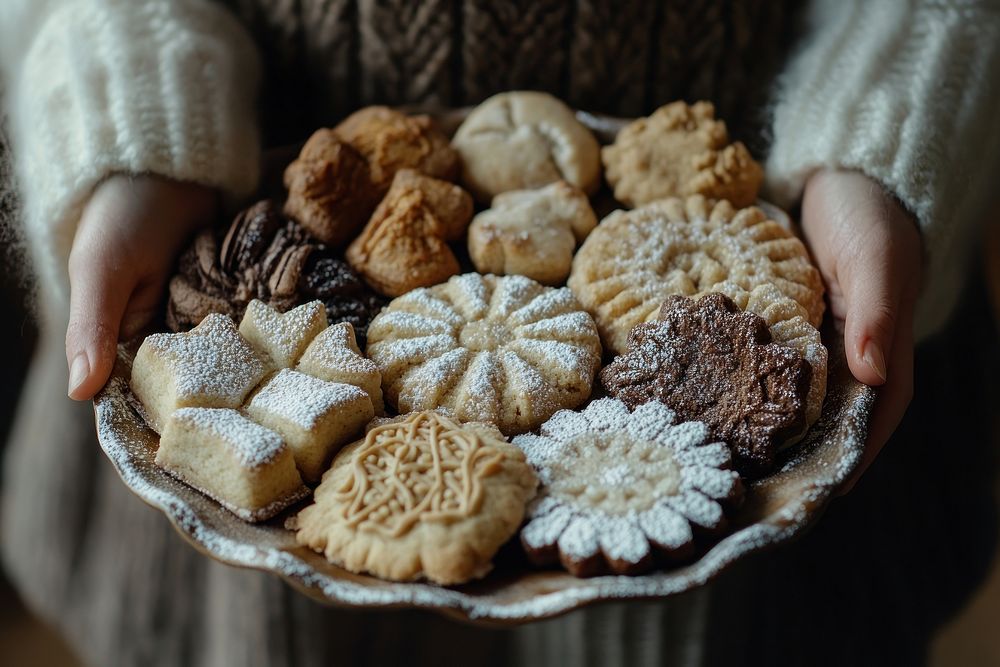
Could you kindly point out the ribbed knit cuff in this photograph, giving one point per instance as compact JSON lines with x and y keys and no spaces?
{"x":136,"y":86}
{"x":907,"y":93}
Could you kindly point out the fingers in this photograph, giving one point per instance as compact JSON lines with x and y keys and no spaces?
{"x":99,"y":295}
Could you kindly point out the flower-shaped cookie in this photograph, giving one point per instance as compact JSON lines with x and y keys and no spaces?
{"x":712,"y":363}
{"x":420,"y":497}
{"x":524,"y":139}
{"x":405,"y":244}
{"x":531,"y":233}
{"x":504,"y":350}
{"x":680,"y":150}
{"x":330,"y":192}
{"x":618,"y":488}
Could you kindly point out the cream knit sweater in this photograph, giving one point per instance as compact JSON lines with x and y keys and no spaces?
{"x":907,"y":92}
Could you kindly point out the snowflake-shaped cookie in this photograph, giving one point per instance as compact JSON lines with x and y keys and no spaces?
{"x":618,"y":488}
{"x":504,"y":350}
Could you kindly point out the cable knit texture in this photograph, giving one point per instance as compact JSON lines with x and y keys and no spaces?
{"x":97,"y":87}
{"x":907,"y":93}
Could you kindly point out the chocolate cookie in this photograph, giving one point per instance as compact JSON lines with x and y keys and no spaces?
{"x":710,"y":362}
{"x":265,"y":255}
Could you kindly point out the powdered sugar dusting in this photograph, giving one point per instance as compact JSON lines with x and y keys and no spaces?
{"x":252,"y":444}
{"x":615,"y":485}
{"x":302,"y":399}
{"x":212,"y":359}
{"x":829,"y":455}
{"x":526,"y":353}
{"x":791,"y":499}
{"x":283,"y":336}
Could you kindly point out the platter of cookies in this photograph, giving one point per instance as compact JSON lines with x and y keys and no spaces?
{"x":500,"y":363}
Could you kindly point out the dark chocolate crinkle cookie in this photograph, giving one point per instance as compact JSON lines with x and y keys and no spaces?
{"x":264,"y":255}
{"x":708,"y":361}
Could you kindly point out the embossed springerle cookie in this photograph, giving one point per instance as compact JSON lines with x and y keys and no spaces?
{"x":620,"y":488}
{"x":245,"y":467}
{"x":710,"y":362}
{"x":531,"y":233}
{"x":680,"y":150}
{"x":520,"y":140}
{"x":420,"y":497}
{"x":504,"y":350}
{"x":211,"y":366}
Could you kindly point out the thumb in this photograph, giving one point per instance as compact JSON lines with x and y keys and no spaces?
{"x":98,"y":297}
{"x":872,"y":295}
{"x":873,"y":289}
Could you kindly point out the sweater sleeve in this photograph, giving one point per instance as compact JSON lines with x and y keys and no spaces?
{"x":908,"y":93}
{"x":95,"y":87}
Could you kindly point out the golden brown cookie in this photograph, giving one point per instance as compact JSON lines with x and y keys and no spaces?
{"x":635,"y":259}
{"x":330,"y":191}
{"x":531,"y":233}
{"x":677,"y":151}
{"x":621,"y":488}
{"x":390,"y":141}
{"x":405,"y":244}
{"x":504,"y":350}
{"x":420,"y":497}
{"x":521,"y":140}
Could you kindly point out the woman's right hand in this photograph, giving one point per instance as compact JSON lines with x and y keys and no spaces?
{"x":130,"y":232}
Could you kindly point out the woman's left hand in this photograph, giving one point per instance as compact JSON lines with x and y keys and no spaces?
{"x":868,"y":248}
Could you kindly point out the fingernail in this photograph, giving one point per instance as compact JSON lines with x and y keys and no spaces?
{"x":873,"y":357}
{"x":78,"y":372}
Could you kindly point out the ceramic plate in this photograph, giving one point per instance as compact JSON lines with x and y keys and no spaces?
{"x":777,"y":509}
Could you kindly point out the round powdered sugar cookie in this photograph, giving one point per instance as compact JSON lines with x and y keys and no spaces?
{"x":619,"y":488}
{"x":504,"y":350}
{"x":420,"y":497}
{"x":635,"y":259}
